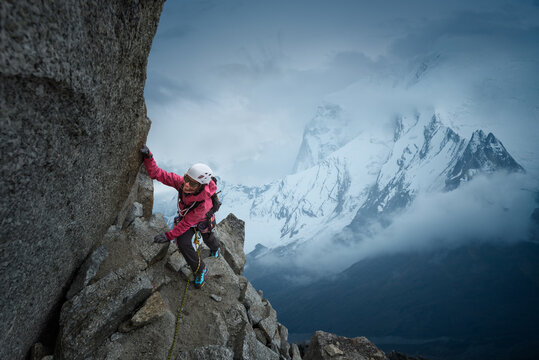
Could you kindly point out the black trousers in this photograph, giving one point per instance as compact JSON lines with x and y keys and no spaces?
{"x":188,"y":251}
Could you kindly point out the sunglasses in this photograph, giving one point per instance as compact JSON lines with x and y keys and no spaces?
{"x":190,"y":181}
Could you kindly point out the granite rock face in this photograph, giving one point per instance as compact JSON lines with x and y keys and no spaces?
{"x":73,"y":118}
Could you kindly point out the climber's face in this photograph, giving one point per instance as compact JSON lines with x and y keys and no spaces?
{"x":190,"y":185}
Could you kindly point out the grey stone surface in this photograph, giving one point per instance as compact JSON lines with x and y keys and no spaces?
{"x":253,"y":302}
{"x":294,"y":352}
{"x":231,"y":234}
{"x":73,"y":118}
{"x":269,"y":324}
{"x":145,"y":192}
{"x":153,"y":309}
{"x":284,"y":345}
{"x":176,"y":261}
{"x":325,"y":346}
{"x":248,"y":347}
{"x":134,"y":211}
{"x":141,"y":234}
{"x":209,"y":352}
{"x":139,"y":194}
{"x":158,"y":277}
{"x":332,"y":350}
{"x":149,"y":342}
{"x":260,"y":336}
{"x":186,"y":272}
{"x":87,"y":271}
{"x":115,"y":316}
{"x":93,"y":315}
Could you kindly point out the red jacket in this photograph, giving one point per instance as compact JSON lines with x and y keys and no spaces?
{"x":192,"y":217}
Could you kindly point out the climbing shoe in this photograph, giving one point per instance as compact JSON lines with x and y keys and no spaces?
{"x":199,"y":280}
{"x":215,"y":253}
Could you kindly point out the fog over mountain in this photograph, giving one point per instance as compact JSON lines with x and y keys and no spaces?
{"x":252,"y":74}
{"x":383,"y":156}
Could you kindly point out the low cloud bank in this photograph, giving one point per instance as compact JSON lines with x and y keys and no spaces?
{"x":488,"y":209}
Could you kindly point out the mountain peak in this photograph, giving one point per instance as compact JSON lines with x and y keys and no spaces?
{"x":323,"y":135}
{"x":484,"y":153}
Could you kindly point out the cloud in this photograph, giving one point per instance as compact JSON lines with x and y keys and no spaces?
{"x":469,"y":31}
{"x":494,"y":209}
{"x":260,"y":69}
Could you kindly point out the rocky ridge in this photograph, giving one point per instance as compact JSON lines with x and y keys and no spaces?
{"x":124,"y":299}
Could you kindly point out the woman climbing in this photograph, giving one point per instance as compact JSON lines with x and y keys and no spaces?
{"x":195,"y":190}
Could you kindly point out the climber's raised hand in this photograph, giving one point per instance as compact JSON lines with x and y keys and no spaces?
{"x":146,"y":152}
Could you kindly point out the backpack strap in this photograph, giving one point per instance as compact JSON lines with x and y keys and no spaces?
{"x":216,"y":205}
{"x":182,"y":213}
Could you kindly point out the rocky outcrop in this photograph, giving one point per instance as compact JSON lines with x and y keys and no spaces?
{"x":73,"y":117}
{"x":124,"y":300}
{"x":326,"y":346}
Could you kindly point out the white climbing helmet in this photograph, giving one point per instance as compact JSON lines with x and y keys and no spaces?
{"x":200,"y":173}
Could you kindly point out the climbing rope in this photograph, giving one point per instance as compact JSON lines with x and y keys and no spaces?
{"x":197,"y":244}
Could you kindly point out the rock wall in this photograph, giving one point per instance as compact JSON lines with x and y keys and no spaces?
{"x":72,"y":119}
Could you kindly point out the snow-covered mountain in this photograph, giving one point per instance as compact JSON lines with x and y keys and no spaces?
{"x":327,"y":132}
{"x":428,"y":156}
{"x":348,"y":181}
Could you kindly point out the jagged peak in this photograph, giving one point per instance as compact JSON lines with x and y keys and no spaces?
{"x":483,"y":153}
{"x":403,"y":123}
{"x":478,"y":138}
{"x":326,"y":132}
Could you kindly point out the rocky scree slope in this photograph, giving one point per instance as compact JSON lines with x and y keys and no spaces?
{"x":73,"y":117}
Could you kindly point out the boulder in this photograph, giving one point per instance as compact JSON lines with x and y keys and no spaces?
{"x":134,"y":211}
{"x":256,"y":310}
{"x":231,"y":234}
{"x":176,"y":261}
{"x":284,"y":345}
{"x":269,"y":324}
{"x":87,"y":271}
{"x":151,"y":341}
{"x":95,"y":313}
{"x":248,"y":346}
{"x":153,"y":309}
{"x":128,"y":310}
{"x":332,"y":350}
{"x":294,"y":352}
{"x":141,"y":234}
{"x":327,"y":346}
{"x":73,"y":118}
{"x":209,"y":352}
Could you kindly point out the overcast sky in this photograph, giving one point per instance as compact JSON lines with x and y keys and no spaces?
{"x":233,"y":83}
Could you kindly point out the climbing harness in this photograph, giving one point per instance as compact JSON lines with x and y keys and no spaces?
{"x":197,"y":244}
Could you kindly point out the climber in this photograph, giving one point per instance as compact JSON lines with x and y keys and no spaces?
{"x":195,"y":190}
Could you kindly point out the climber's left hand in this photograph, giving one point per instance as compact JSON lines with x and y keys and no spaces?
{"x":160,"y":239}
